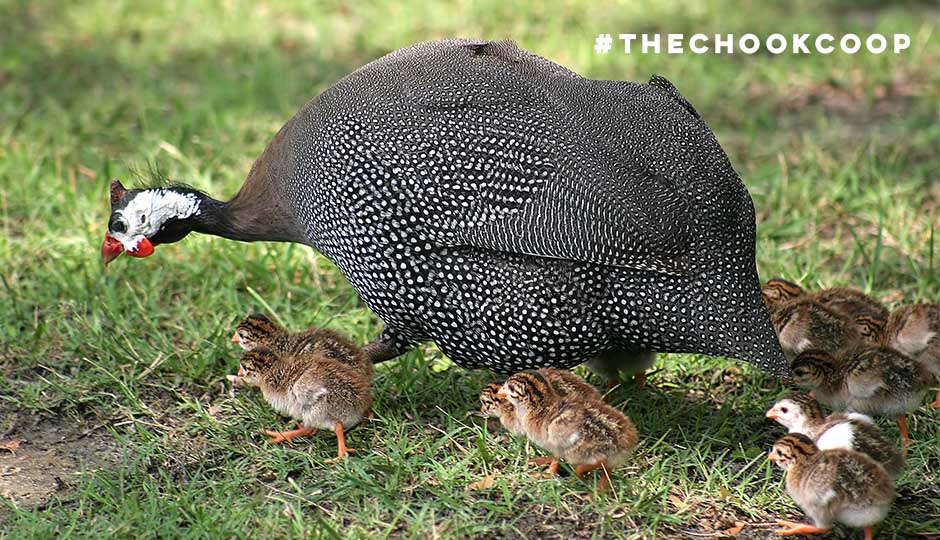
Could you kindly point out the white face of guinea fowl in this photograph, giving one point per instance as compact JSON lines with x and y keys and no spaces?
{"x":146,"y":212}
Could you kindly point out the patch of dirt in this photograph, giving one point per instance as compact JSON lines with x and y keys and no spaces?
{"x":52,"y":452}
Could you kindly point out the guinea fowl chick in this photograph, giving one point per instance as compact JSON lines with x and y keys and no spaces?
{"x":777,"y":292}
{"x":563,"y":381}
{"x":832,"y":486}
{"x":494,"y":406}
{"x":872,"y":380}
{"x":256,"y":330}
{"x":800,"y":413}
{"x":804,"y":324}
{"x":318,"y":391}
{"x":915,"y":331}
{"x":587,"y":433}
{"x":617,"y":363}
{"x":868,"y":314}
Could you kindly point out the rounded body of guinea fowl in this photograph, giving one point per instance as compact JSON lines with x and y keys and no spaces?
{"x":522,"y":216}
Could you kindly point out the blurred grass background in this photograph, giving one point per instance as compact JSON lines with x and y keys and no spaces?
{"x":840,"y":153}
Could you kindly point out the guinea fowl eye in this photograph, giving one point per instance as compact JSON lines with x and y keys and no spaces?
{"x":117,"y":225}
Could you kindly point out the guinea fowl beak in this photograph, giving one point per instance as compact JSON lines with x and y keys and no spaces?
{"x":110,"y":249}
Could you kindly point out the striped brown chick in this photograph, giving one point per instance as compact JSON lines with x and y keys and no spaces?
{"x":832,"y":486}
{"x":804,"y":324}
{"x":256,"y":331}
{"x":869,"y":315}
{"x":915,"y":331}
{"x":587,"y":433}
{"x":801,"y":413}
{"x":318,"y":391}
{"x":563,"y":381}
{"x":872,"y":380}
{"x":777,"y":292}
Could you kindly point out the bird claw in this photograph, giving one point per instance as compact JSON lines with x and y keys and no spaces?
{"x":340,"y":457}
{"x":794,"y":527}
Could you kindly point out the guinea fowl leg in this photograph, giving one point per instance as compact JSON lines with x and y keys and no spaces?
{"x":384,"y":348}
{"x":552,"y":466}
{"x":793,"y":527}
{"x":581,"y":470}
{"x":341,"y":443}
{"x":902,"y":426}
{"x":289,"y":436}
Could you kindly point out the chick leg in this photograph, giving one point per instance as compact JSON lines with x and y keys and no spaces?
{"x":902,"y":426}
{"x":289,"y":436}
{"x":341,"y":443}
{"x":936,"y":402}
{"x":869,"y":533}
{"x":581,"y":470}
{"x":552,"y":466}
{"x":793,"y":527}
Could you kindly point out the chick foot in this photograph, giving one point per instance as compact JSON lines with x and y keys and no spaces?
{"x":793,"y":527}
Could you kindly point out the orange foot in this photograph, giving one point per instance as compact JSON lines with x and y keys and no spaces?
{"x":793,"y":527}
{"x":936,"y":402}
{"x":289,"y":436}
{"x":552,"y":470}
{"x":341,"y":444}
{"x":581,"y":470}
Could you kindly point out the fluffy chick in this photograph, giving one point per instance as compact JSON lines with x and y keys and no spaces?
{"x":777,"y":292}
{"x":318,"y":391}
{"x":803,"y":324}
{"x":800,"y":413}
{"x":915,"y":331}
{"x":872,"y":380}
{"x":587,"y":433}
{"x":832,"y":486}
{"x":563,"y":381}
{"x":256,"y":330}
{"x":869,"y":315}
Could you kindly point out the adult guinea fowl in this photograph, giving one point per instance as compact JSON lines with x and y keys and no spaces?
{"x":515,"y":213}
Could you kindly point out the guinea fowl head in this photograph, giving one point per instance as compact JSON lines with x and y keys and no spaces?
{"x":256,"y":331}
{"x":490,"y":403}
{"x":143,"y":218}
{"x":527,"y":390}
{"x":813,"y":368}
{"x":777,"y":291}
{"x":255,"y":365}
{"x":791,"y":450}
{"x":796,"y":412}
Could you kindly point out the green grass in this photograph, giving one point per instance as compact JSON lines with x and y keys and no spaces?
{"x":840,"y":154}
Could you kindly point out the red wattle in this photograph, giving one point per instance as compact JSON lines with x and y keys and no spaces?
{"x":144,"y":249}
{"x":110,"y":249}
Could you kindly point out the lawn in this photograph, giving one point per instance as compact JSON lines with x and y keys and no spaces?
{"x":113,"y":381}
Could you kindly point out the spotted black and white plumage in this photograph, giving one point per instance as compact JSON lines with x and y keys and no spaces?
{"x":519,"y":215}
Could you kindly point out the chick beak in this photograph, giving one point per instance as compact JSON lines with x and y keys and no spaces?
{"x":501,"y":394}
{"x":241,"y":371}
{"x":110,"y":249}
{"x":772,"y":413}
{"x":772,"y":457}
{"x":236,"y":338}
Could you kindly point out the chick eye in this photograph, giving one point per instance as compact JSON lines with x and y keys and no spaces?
{"x":783,"y":409}
{"x":143,"y":219}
